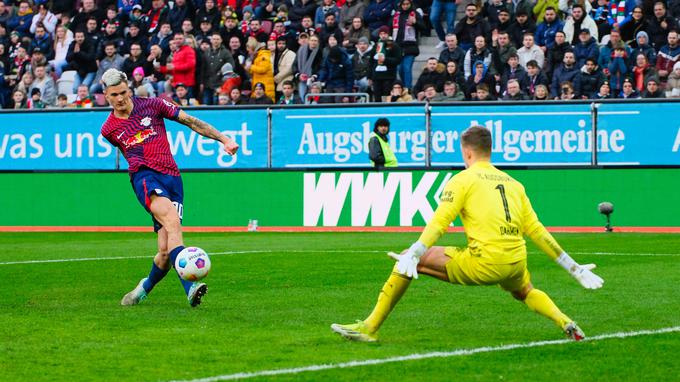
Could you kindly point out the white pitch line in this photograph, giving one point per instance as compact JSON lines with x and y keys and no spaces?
{"x":419,"y":356}
{"x":46,"y":261}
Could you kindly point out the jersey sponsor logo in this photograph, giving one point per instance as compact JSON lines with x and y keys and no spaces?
{"x":146,"y":121}
{"x":447,"y":196}
{"x":139,"y":137}
{"x":121,"y":134}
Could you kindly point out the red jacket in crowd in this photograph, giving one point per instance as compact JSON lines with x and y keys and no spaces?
{"x":184,"y":67}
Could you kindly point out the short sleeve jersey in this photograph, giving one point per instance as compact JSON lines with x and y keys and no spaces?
{"x":142,"y":137}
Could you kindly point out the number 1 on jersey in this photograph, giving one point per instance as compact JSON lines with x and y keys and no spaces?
{"x":501,"y":189}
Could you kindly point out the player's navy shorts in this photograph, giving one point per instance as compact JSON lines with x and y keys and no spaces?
{"x":147,"y":182}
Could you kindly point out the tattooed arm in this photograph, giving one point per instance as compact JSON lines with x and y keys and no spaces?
{"x":207,"y":130}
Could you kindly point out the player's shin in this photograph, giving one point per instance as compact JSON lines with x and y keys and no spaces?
{"x":389,"y":296}
{"x":540,"y":302}
{"x":173,"y":256}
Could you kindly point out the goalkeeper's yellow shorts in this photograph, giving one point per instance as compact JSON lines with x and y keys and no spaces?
{"x":466,"y":269}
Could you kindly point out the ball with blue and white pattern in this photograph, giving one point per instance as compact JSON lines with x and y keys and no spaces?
{"x":192,"y":264}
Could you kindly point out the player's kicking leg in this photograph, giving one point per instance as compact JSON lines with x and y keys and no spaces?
{"x":165,"y":212}
{"x":169,"y":236}
{"x":432,"y":263}
{"x":540,"y":302}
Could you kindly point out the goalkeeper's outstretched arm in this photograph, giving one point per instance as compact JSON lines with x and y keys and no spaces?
{"x":547,"y":243}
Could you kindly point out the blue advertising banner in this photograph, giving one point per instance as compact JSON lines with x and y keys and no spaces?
{"x":629,"y":133}
{"x":541,"y":135}
{"x":54,"y":141}
{"x":338,"y":137}
{"x":49,"y":140}
{"x":638,"y":134}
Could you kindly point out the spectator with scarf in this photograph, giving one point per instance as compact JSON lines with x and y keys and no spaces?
{"x":385,"y":58}
{"x":21,"y":21}
{"x":406,"y":24}
{"x":156,"y":15}
{"x":642,"y":71}
{"x":307,"y":64}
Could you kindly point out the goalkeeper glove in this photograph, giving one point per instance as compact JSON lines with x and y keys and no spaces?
{"x":582,"y":273}
{"x":407,"y":263}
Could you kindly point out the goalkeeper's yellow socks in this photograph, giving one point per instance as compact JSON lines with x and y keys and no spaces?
{"x":539,"y":302}
{"x":389,"y":296}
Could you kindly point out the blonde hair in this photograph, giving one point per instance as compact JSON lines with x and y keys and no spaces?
{"x":252,"y":44}
{"x":190,"y":40}
{"x":113,"y":77}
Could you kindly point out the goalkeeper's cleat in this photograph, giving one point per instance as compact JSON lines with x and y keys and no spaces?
{"x":135,"y":296}
{"x":196,"y":292}
{"x":574,"y":332}
{"x":355,"y":332}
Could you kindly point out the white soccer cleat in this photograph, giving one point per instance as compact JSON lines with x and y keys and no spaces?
{"x":196,"y":292}
{"x":574,"y":332}
{"x":355,"y":332}
{"x":135,"y":296}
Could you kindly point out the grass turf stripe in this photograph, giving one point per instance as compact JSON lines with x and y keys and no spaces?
{"x":48,"y":261}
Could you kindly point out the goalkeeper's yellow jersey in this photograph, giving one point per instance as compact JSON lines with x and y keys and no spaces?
{"x":496,"y":214}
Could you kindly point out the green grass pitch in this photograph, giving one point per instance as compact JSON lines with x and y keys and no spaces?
{"x":270,"y":308}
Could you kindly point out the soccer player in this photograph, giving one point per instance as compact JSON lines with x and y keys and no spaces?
{"x":137,"y":128}
{"x":496,"y":214}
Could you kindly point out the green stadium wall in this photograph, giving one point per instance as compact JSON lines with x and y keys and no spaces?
{"x":642,"y":198}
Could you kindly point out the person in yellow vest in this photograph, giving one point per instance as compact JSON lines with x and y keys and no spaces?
{"x":379,"y":150}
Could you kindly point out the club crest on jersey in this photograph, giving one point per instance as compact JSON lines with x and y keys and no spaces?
{"x":146,"y":121}
{"x":139,"y":137}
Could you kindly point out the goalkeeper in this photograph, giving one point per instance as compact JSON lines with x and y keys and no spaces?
{"x":496,"y":214}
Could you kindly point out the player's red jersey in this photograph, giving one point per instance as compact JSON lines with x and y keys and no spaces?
{"x":142,"y":137}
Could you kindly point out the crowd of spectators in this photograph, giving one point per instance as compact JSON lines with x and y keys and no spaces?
{"x":234,"y":52}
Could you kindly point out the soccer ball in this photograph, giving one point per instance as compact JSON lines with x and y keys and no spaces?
{"x":192,"y":264}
